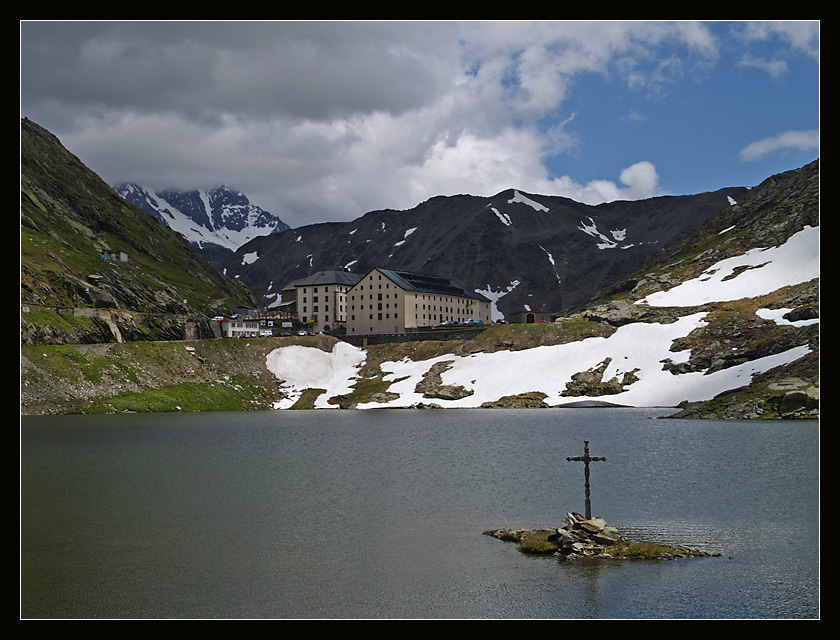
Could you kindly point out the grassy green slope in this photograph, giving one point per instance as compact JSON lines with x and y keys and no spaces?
{"x":69,"y":216}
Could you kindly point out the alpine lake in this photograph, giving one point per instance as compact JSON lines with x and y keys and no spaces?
{"x":381,"y":514}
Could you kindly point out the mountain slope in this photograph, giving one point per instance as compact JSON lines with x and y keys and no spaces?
{"x":525,"y":251}
{"x":73,"y":227}
{"x":781,"y":206}
{"x":214,"y":222}
{"x":725,"y":325}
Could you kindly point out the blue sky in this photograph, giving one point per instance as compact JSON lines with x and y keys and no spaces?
{"x":696,"y":130}
{"x":324,"y":121}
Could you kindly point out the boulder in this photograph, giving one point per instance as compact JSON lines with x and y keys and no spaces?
{"x":593,"y":525}
{"x":607,"y":537}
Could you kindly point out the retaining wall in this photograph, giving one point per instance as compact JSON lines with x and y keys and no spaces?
{"x":453,"y":333}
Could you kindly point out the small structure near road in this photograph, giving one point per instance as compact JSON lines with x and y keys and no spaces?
{"x":240,"y":328}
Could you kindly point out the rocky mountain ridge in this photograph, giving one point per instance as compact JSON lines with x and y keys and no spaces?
{"x":214,"y":222}
{"x":524,"y":251}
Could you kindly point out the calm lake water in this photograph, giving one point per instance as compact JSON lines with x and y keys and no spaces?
{"x":380,"y":514}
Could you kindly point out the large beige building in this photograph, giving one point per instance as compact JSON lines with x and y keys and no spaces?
{"x":385,"y":301}
{"x":322,"y":299}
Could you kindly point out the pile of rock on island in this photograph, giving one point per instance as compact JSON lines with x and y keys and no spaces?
{"x":580,"y":537}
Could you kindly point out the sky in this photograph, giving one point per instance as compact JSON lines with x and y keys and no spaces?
{"x":324,"y":121}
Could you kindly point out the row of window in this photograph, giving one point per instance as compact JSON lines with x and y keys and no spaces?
{"x":367,"y":295}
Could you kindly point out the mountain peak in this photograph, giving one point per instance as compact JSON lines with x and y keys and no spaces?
{"x":215,"y":222}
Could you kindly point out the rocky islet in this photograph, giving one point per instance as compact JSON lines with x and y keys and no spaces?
{"x":581,"y":537}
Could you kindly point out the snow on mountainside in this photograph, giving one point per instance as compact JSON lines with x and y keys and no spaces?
{"x":636,"y":348}
{"x":722,"y":324}
{"x":209,"y":220}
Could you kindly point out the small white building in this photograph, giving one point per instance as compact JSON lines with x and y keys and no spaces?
{"x":240,"y":328}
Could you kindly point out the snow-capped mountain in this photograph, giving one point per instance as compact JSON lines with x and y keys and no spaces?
{"x":215,"y":222}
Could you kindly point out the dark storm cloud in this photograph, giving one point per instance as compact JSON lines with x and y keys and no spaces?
{"x":210,"y":69}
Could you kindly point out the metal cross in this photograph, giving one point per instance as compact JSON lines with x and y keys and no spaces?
{"x":586,"y":459}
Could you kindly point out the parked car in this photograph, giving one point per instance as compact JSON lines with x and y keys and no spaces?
{"x":266,"y":333}
{"x":218,"y":318}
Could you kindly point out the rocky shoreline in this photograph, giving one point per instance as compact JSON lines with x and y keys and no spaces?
{"x":580,"y":537}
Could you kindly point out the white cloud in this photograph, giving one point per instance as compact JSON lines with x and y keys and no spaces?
{"x":775,"y":68}
{"x":801,"y":35}
{"x":641,"y":180}
{"x":789,"y":140}
{"x":328,"y":120}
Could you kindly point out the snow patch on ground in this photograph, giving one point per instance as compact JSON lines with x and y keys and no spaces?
{"x":757,"y":272}
{"x":495,"y":296}
{"x":300,"y":368}
{"x":605,"y":242}
{"x":503,"y":217}
{"x":547,"y":369}
{"x":777,"y":316}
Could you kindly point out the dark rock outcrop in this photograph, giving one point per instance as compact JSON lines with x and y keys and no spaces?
{"x":591,"y":382}
{"x":431,"y":386}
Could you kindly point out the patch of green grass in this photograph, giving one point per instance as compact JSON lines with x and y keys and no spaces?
{"x":526,"y":336}
{"x":629,"y":550}
{"x":66,"y":361}
{"x":240,"y":394}
{"x":537,"y":542}
{"x":60,"y":321}
{"x":362,"y":391}
{"x":307,"y":399}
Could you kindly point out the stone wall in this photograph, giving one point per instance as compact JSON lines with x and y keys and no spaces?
{"x":447,"y":333}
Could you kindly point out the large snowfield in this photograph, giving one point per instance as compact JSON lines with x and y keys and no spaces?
{"x":638,"y":346}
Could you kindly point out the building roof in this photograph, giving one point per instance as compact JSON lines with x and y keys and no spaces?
{"x":334,"y":276}
{"x":425,"y":283}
